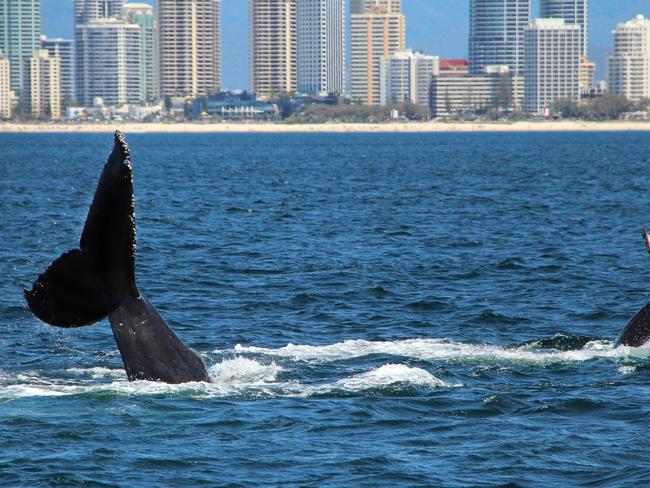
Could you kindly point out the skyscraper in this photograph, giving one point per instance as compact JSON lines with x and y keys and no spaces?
{"x":142,"y":14}
{"x":20,"y":35}
{"x":321,"y":46}
{"x":406,"y":77}
{"x":5,"y":88}
{"x":573,"y":12}
{"x":189,"y":47}
{"x":64,"y":50}
{"x":372,"y":35}
{"x":366,"y":6}
{"x":88,"y":10}
{"x":629,"y":66}
{"x":42,"y":85}
{"x":552,"y":63}
{"x":496,"y":34}
{"x":273,"y":47}
{"x":110,"y":50}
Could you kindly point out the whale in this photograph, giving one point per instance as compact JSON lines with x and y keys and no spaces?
{"x":637,"y":331}
{"x":97,"y":280}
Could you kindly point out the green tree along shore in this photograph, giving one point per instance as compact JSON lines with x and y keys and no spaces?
{"x":607,"y":107}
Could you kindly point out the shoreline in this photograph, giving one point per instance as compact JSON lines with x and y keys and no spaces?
{"x":261,"y":127}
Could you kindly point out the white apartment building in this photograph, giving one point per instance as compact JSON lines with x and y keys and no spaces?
{"x":367,"y":6}
{"x":405,"y":76}
{"x":552,"y":54}
{"x":143,"y":15}
{"x":64,"y":50}
{"x":629,"y":66}
{"x":189,"y":43}
{"x":573,"y":12}
{"x":110,"y":54}
{"x":273,"y":39}
{"x":321,"y":46}
{"x":454,"y":94}
{"x":5,"y":88}
{"x":372,"y":35}
{"x":42,"y":84}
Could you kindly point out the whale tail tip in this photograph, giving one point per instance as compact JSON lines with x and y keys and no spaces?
{"x":84,"y":285}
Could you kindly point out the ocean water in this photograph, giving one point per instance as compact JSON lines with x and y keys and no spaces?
{"x":375,"y":310}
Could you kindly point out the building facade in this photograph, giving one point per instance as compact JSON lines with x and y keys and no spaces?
{"x":5,"y":88}
{"x":89,"y":10}
{"x":552,"y":64}
{"x":496,"y":34}
{"x":367,"y":6}
{"x":64,"y":50}
{"x":372,"y":35}
{"x":273,"y":47}
{"x":20,"y":35}
{"x":110,"y":53}
{"x":42,"y":85}
{"x":458,"y":93}
{"x":142,"y":14}
{"x":573,"y":12}
{"x":629,"y":67}
{"x":320,"y":46}
{"x":189,"y":47}
{"x":406,"y":77}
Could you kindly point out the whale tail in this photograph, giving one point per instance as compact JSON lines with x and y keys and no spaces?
{"x":85,"y":285}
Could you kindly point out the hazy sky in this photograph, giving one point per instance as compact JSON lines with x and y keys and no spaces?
{"x":435,"y":26}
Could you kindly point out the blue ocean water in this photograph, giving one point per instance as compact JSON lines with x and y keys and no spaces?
{"x":375,"y":309}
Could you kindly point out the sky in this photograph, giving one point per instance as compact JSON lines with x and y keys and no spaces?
{"x":438,"y":27}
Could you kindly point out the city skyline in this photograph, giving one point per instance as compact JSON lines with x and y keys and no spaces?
{"x":437,"y":27}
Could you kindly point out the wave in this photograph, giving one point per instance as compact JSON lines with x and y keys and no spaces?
{"x":239,"y":377}
{"x":448,"y":351}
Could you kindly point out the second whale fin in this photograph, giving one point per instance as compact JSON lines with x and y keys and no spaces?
{"x":69,"y":293}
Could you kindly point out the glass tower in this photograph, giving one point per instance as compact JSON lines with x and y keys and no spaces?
{"x":20,"y":35}
{"x":496,"y":34}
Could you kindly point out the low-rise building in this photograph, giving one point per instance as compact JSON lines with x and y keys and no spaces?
{"x":456,"y":94}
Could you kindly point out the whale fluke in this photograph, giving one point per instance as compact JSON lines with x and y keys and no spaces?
{"x":637,"y":331}
{"x":97,"y":280}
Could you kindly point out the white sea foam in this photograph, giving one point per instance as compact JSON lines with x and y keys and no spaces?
{"x":99,"y":372}
{"x":445,"y":350}
{"x":243,"y":371}
{"x":391,"y":374}
{"x":237,"y":377}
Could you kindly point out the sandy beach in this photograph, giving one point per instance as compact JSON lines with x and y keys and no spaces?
{"x":527,"y":126}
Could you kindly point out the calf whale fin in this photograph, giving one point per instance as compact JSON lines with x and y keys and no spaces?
{"x":84,"y":285}
{"x":97,"y":280}
{"x":637,"y":331}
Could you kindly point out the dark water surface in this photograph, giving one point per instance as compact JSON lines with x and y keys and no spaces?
{"x":376,"y":310}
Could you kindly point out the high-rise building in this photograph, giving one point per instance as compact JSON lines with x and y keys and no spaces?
{"x":496,"y":34}
{"x":629,"y":66}
{"x":553,"y":57}
{"x":89,"y":10}
{"x":587,"y":76}
{"x":454,"y":92}
{"x":406,"y":77}
{"x":273,"y":43}
{"x":189,"y":47}
{"x":42,"y":84}
{"x":142,"y":14}
{"x":573,"y":12}
{"x":20,"y":35}
{"x":5,"y":88}
{"x":110,"y":50}
{"x":372,"y":35}
{"x":367,"y":6}
{"x":64,"y":50}
{"x":321,"y":46}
